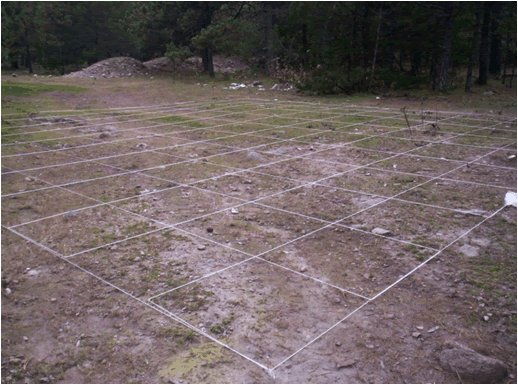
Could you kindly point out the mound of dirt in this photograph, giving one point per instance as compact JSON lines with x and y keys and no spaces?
{"x":116,"y":67}
{"x":119,"y":67}
{"x":221,"y":64}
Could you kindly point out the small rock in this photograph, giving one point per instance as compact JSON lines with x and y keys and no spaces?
{"x":338,"y":343}
{"x":210,"y":230}
{"x":380,"y":231}
{"x":303,"y":269}
{"x":366,"y":275}
{"x":486,"y":318}
{"x":252,"y":155}
{"x":433,"y":329}
{"x":141,"y":145}
{"x":7,"y":291}
{"x":419,"y":327}
{"x":234,"y":210}
{"x":257,"y":83}
{"x":103,"y":135}
{"x":202,"y":247}
{"x":33,"y":272}
{"x":469,"y":364}
{"x":14,"y":75}
{"x":416,"y":334}
{"x":25,"y":338}
{"x":345,"y":364}
{"x":53,"y":300}
{"x":44,"y":379}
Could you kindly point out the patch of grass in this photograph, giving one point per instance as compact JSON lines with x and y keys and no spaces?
{"x":30,"y":89}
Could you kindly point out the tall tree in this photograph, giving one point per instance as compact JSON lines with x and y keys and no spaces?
{"x":485,"y":46}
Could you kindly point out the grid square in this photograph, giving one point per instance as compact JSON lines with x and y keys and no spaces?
{"x":352,"y":260}
{"x":452,"y":151}
{"x":247,"y":185}
{"x":81,"y":230}
{"x":262,"y":311}
{"x":14,"y":182}
{"x":351,"y":155}
{"x":458,"y":195}
{"x":30,"y":206}
{"x":485,"y":174}
{"x":189,"y":171}
{"x":418,"y":224}
{"x":367,"y":180}
{"x":254,"y":229}
{"x":71,"y":173}
{"x":415,"y":164}
{"x":153,"y":263}
{"x":20,"y":163}
{"x":303,"y":169}
{"x":120,"y":186}
{"x":321,"y":202}
{"x":177,"y":205}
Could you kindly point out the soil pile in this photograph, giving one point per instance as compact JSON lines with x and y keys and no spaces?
{"x":119,"y":67}
{"x":116,"y":67}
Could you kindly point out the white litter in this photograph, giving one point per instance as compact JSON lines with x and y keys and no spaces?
{"x":234,"y":210}
{"x":510,"y":199}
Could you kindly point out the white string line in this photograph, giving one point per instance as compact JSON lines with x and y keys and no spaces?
{"x":109,"y":114}
{"x":117,"y":120}
{"x":217,"y":154}
{"x":386,"y":289}
{"x":149,"y":304}
{"x":174,"y":227}
{"x":170,"y":134}
{"x":244,"y":170}
{"x":205,"y":118}
{"x":179,"y":124}
{"x":396,"y":110}
{"x":176,"y":124}
{"x":211,"y":214}
{"x":151,"y":150}
{"x":109,"y":109}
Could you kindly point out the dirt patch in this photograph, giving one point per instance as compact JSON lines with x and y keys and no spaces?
{"x":232,"y":242}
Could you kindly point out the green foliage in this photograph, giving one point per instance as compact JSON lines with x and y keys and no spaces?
{"x":177,"y":54}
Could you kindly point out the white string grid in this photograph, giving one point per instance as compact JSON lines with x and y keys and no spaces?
{"x":259,"y":256}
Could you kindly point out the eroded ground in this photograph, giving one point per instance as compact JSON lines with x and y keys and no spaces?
{"x":255,"y":241}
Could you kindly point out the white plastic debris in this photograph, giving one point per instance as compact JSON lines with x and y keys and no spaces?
{"x":510,"y":199}
{"x":234,"y":210}
{"x":511,"y":157}
{"x":378,"y":98}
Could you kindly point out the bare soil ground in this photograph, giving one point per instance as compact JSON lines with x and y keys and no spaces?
{"x":214,"y":236}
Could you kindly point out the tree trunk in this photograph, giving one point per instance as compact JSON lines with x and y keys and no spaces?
{"x":210,"y":63}
{"x":205,"y":59}
{"x":415,"y":63}
{"x":485,"y":47}
{"x":28,"y":57}
{"x":495,"y":57}
{"x":270,"y":53}
{"x":304,"y":42}
{"x":506,"y":59}
{"x":375,"y":49}
{"x":444,"y":66}
{"x":474,"y":50}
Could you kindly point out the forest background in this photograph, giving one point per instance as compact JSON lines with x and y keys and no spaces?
{"x":320,"y":47}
